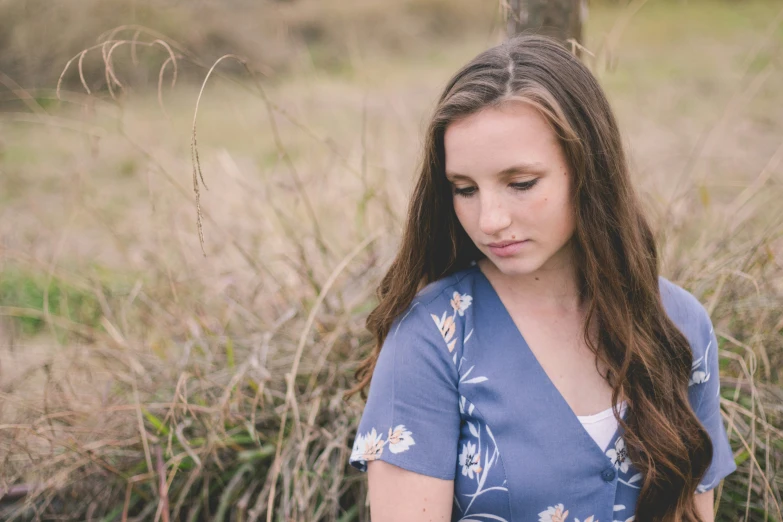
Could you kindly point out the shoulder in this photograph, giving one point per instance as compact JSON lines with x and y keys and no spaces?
{"x":439,"y":312}
{"x":687,"y":313}
{"x":452,"y":293}
{"x":680,"y":304}
{"x":442,"y":290}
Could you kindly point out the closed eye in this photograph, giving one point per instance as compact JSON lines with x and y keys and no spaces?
{"x":524,"y":185}
{"x":465,"y":191}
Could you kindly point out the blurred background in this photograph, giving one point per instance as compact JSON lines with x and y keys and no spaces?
{"x":145,"y":375}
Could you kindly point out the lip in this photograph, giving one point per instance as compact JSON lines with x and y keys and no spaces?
{"x":506,"y":248}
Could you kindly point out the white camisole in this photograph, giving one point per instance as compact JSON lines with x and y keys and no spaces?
{"x":602,"y":425}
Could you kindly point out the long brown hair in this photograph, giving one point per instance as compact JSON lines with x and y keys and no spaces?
{"x":648,"y":358}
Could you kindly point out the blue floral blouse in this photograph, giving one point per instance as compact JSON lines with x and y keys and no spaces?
{"x":457,"y":394}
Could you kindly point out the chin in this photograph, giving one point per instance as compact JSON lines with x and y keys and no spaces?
{"x":515,"y":266}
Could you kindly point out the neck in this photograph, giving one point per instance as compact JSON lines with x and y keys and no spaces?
{"x":553,"y":287}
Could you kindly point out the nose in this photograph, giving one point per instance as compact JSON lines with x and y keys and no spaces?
{"x":494,"y":216}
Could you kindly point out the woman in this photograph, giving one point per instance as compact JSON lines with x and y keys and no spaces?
{"x":532,"y":364}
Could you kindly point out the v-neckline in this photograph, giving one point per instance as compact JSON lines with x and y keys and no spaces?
{"x":506,"y":316}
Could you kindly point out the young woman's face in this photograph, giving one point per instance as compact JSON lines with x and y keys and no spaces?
{"x":511,"y":187}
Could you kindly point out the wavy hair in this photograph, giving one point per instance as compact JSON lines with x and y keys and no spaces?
{"x":648,"y":358}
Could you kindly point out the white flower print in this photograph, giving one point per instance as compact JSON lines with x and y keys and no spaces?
{"x":400,"y":439}
{"x":555,"y":513}
{"x":619,"y":455}
{"x":358,"y":447}
{"x":700,"y":376}
{"x":463,"y":377}
{"x":370,"y":446}
{"x":558,"y":513}
{"x":631,"y":482}
{"x":447,"y":324}
{"x":373,"y":446}
{"x":447,"y":327}
{"x":621,"y":507}
{"x":462,"y":406}
{"x":470,"y":460}
{"x":460,"y":302}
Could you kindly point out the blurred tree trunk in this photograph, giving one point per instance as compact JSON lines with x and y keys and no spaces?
{"x":561,"y":19}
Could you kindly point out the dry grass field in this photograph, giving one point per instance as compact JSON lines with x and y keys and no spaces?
{"x":142,"y":378}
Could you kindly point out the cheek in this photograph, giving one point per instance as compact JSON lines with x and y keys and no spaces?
{"x":563,"y":215}
{"x":553,"y":211}
{"x":462,"y":211}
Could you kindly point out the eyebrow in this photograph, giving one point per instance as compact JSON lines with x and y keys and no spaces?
{"x":519,"y":168}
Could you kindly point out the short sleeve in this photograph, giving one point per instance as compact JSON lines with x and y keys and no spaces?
{"x":705,"y":376}
{"x":411,"y":418}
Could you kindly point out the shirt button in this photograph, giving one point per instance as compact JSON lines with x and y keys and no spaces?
{"x":608,"y":474}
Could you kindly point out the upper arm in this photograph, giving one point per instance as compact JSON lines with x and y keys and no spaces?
{"x":704,"y":505}
{"x":411,"y":422}
{"x":694,"y":321}
{"x":399,"y":494}
{"x":705,"y":376}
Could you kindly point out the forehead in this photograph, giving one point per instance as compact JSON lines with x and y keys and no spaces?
{"x":495,"y":137}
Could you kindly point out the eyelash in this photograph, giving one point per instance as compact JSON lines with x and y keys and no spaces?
{"x":469,"y":191}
